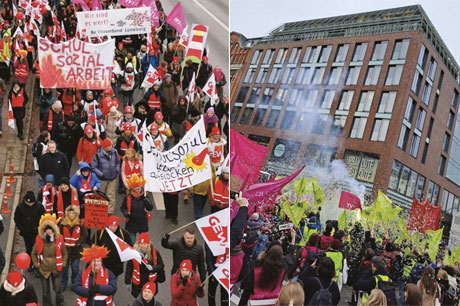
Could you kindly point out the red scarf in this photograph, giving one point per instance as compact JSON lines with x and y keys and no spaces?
{"x":85,"y":184}
{"x":48,"y":204}
{"x":60,"y":205}
{"x":50,"y":119}
{"x":102,"y":278}
{"x":128,"y":204}
{"x":70,"y":240}
{"x":136,"y":278}
{"x":39,"y":245}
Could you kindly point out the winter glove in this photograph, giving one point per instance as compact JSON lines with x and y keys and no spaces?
{"x":166,"y":236}
{"x":92,"y":290}
{"x":184,"y":281}
{"x":200,"y":289}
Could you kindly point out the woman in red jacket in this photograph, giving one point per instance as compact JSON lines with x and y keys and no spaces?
{"x":185,"y":286}
{"x":88,"y":145}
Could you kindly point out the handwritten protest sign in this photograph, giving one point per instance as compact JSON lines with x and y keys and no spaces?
{"x":96,"y":213}
{"x":118,"y":22}
{"x":75,"y":63}
{"x":183,"y":166}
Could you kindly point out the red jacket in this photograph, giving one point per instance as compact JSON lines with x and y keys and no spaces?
{"x":87,"y":149}
{"x":67,"y":102}
{"x":185,"y":296}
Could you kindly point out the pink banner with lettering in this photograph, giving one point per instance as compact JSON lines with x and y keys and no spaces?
{"x":130,"y":3}
{"x":155,"y":15}
{"x":176,"y":18}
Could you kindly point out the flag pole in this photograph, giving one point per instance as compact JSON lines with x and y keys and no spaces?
{"x":206,"y":279}
{"x":179,"y":228}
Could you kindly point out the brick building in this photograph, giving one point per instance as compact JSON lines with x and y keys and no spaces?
{"x":378,"y":90}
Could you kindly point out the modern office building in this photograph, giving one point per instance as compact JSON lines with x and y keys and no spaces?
{"x":378,"y":90}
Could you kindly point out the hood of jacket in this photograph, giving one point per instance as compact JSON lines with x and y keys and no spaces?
{"x":77,"y":214}
{"x":83,"y":165}
{"x":44,"y":224}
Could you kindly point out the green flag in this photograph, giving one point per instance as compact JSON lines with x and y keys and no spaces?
{"x":343,"y":220}
{"x":434,"y":238}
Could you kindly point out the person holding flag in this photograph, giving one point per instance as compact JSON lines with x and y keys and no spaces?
{"x":151,"y":269}
{"x":205,"y":72}
{"x":185,"y":285}
{"x":95,"y":285}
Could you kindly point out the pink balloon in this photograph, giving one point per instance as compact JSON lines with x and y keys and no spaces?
{"x":22,"y":260}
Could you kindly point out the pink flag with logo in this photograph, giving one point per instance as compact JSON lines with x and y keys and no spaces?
{"x":130,"y":3}
{"x":349,"y":201}
{"x":155,"y":17}
{"x":176,"y":18}
{"x":97,"y":5}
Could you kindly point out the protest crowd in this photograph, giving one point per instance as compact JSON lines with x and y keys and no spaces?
{"x":283,"y":252}
{"x":154,"y":89}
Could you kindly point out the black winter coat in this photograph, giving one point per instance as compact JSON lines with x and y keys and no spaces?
{"x":181,"y":252}
{"x":311,"y":285}
{"x":137,"y":217}
{"x":237,"y":227}
{"x":112,"y":262}
{"x":19,"y":299}
{"x":203,"y":76}
{"x":55,"y":164}
{"x":67,"y":137}
{"x":140,"y":302}
{"x":27,"y":218}
{"x":57,"y":118}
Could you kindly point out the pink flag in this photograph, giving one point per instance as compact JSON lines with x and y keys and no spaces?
{"x":349,"y":201}
{"x":176,"y":18}
{"x":261,"y":193}
{"x":82,"y":3}
{"x":97,"y":5}
{"x":247,"y":160}
{"x":10,"y":116}
{"x":130,"y":3}
{"x":155,"y":17}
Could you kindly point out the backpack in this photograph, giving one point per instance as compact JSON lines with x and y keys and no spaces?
{"x":388,"y":289}
{"x":388,"y":261}
{"x":321,"y":297}
{"x":35,"y":148}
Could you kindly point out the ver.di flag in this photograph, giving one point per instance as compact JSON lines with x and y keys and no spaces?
{"x":10,"y":116}
{"x":181,"y":167}
{"x":214,"y":229}
{"x":349,"y":201}
{"x":125,"y":251}
{"x":176,"y":18}
{"x":151,"y":77}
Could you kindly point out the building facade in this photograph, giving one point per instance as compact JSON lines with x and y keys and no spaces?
{"x":378,"y":90}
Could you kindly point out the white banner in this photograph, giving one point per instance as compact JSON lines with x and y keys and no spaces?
{"x":183,"y":166}
{"x":214,"y":229}
{"x":151,"y":77}
{"x":222,"y":274}
{"x":118,"y":22}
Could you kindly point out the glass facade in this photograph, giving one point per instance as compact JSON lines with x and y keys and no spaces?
{"x":406,"y":181}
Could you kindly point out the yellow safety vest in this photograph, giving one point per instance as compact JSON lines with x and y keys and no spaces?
{"x":365,"y":295}
{"x":337,"y":258}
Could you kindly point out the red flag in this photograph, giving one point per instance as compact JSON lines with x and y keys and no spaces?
{"x":10,"y":116}
{"x":176,"y":18}
{"x":423,"y":216}
{"x":349,"y":201}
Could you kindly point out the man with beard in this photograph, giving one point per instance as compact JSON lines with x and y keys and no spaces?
{"x":155,"y":97}
{"x":67,"y":135}
{"x":53,"y":162}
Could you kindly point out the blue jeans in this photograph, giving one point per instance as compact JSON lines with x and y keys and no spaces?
{"x":198,"y":204}
{"x":402,"y":285}
{"x":128,"y":98}
{"x":132,"y":236}
{"x":75,"y":264}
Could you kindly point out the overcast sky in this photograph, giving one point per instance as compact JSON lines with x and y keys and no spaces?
{"x":254,"y":18}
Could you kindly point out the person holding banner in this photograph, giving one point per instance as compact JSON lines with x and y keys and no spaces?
{"x":178,"y":116}
{"x":150,"y":270}
{"x":159,"y":140}
{"x":188,"y":72}
{"x":205,"y":72}
{"x":185,"y":285}
{"x":216,"y":147}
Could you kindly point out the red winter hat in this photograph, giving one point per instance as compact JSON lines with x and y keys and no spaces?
{"x":89,"y":129}
{"x":113,"y":220}
{"x":158,"y":116}
{"x":128,"y":126}
{"x":205,"y":57}
{"x":109,"y":91}
{"x":106,"y":143}
{"x":14,"y":278}
{"x":186,"y":264}
{"x":153,"y":126}
{"x":215,"y":131}
{"x":128,"y":109}
{"x":176,"y":59}
{"x":150,"y":286}
{"x":144,"y":238}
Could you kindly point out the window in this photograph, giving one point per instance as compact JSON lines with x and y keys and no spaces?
{"x":432,"y":69}
{"x":403,"y":180}
{"x":249,"y":75}
{"x":450,"y":120}
{"x":280,"y":97}
{"x":360,"y":52}
{"x":386,"y":102}
{"x":400,"y":49}
{"x":449,"y":202}
{"x":242,"y":94}
{"x":422,"y":57}
{"x":425,"y":152}
{"x":358,"y":127}
{"x":304,"y":76}
{"x":406,"y":181}
{"x":394,"y":75}
{"x":324,"y":54}
{"x":266,"y":96}
{"x":334,"y":75}
{"x":442,"y":165}
{"x":365,"y":102}
{"x":310,"y":98}
{"x":420,"y":119}
{"x":430,"y":127}
{"x":294,"y":57}
{"x":256,"y":57}
{"x":318,"y":74}
{"x":281,"y":56}
{"x":234,"y":114}
{"x":446,"y":143}
{"x":432,"y":193}
{"x":274,"y":76}
{"x":410,"y":109}
{"x":320,"y":124}
{"x":288,"y":76}
{"x":262,"y":75}
{"x":328,"y":98}
{"x":259,"y":116}
{"x":379,"y":132}
{"x":294,"y":98}
{"x":441,"y":78}
{"x":246,"y":116}
{"x":372,"y":76}
{"x":254,"y":95}
{"x":379,"y":51}
{"x":338,"y":125}
{"x":394,"y":177}
{"x":416,"y":82}
{"x":435,"y":103}
{"x":403,"y":137}
{"x":288,"y":118}
{"x":268,"y":56}
{"x":353,"y":75}
{"x":303,"y":121}
{"x":309,"y":55}
{"x":426,"y":93}
{"x":341,"y":54}
{"x":454,"y":101}
{"x":419,"y":187}
{"x":413,"y":150}
{"x":345,"y":101}
{"x":272,"y":118}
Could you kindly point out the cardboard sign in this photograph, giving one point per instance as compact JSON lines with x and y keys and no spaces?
{"x":197,"y":43}
{"x":96,"y":213}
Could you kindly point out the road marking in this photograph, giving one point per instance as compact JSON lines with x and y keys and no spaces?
{"x":212,"y":15}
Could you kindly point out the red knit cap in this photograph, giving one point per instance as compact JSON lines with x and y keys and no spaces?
{"x":150,"y":286}
{"x":215,"y":131}
{"x":113,"y":220}
{"x":14,"y":278}
{"x":144,"y":238}
{"x":106,"y":143}
{"x":186,"y":264}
